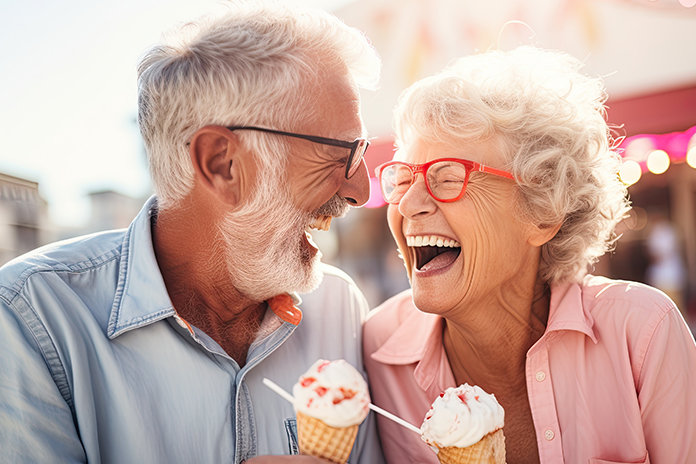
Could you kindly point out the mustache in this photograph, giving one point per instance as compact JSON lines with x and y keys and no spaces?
{"x":336,"y":207}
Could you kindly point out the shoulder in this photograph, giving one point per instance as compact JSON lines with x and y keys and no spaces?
{"x":335,"y":278}
{"x":634,"y":300}
{"x":631,"y":316}
{"x":75,"y":255}
{"x":335,"y":284}
{"x":386,"y":318}
{"x":337,"y":295}
{"x":54,"y":293}
{"x":393,"y":311}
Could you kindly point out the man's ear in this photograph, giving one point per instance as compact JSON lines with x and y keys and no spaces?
{"x":215,"y":154}
{"x":539,"y":235}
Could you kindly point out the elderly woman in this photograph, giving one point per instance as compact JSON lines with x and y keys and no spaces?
{"x":503,"y":192}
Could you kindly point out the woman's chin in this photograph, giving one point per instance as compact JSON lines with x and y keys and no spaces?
{"x":429,"y":299}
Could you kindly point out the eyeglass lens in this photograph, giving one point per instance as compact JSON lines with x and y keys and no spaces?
{"x":445,"y":180}
{"x":356,"y":157}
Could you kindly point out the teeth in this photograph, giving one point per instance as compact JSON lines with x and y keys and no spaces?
{"x":321,"y":223}
{"x":431,"y":240}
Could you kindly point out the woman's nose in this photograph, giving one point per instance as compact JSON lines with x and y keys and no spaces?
{"x":417,"y":199}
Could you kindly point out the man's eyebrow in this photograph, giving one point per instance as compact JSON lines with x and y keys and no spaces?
{"x":349,"y":136}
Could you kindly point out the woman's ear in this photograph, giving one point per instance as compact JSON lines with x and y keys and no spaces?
{"x":216,"y":157}
{"x":539,"y":235}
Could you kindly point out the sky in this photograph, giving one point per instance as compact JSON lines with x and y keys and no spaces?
{"x":68,"y":97}
{"x":68,"y":71}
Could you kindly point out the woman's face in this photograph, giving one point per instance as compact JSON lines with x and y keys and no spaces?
{"x":491,"y":243}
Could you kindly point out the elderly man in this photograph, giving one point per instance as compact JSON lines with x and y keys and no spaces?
{"x":150,"y":344}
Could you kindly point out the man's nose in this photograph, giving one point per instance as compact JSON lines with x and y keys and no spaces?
{"x":356,"y":190}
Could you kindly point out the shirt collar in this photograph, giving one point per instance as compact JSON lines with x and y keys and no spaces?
{"x":418,"y":339}
{"x":141,"y":295}
{"x":567,"y":311}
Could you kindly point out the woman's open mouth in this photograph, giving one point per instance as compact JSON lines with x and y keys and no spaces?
{"x":433,"y":252}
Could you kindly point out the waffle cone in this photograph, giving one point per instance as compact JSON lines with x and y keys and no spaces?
{"x":324,"y":441}
{"x":489,"y":450}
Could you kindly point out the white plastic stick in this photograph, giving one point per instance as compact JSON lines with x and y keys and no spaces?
{"x":396,"y":419}
{"x":273,"y":386}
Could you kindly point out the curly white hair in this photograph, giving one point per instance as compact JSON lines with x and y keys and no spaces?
{"x":552,"y":120}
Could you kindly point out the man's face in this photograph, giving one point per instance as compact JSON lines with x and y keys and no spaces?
{"x":268,"y":246}
{"x":316,"y":172}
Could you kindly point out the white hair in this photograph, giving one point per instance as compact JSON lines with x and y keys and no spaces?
{"x":254,"y":65}
{"x":551,"y":119}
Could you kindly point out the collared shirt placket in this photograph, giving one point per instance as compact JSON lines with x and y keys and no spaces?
{"x":542,"y":402}
{"x":243,"y":411}
{"x":245,"y":426}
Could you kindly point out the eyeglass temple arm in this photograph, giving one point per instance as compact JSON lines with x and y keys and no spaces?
{"x":495,"y":171}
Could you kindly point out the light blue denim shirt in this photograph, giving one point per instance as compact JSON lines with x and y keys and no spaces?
{"x":95,"y":365}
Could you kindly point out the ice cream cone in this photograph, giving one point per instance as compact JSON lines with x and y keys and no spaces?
{"x":324,"y":441}
{"x":489,"y":450}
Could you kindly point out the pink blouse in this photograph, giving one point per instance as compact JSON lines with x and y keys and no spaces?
{"x":612,"y":380}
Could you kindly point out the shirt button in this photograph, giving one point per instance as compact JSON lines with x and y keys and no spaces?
{"x":540,"y":376}
{"x":549,"y":434}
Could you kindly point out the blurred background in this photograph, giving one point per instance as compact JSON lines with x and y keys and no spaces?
{"x":72,"y":161}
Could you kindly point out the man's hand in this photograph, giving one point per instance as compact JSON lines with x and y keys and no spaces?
{"x":297,"y":459}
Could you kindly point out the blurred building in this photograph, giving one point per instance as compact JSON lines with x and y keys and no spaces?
{"x":111,"y":210}
{"x":24,"y":221}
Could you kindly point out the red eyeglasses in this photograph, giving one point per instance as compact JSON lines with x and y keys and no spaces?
{"x":445,"y":178}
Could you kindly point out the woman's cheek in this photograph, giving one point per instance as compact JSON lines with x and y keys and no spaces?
{"x":395,"y":220}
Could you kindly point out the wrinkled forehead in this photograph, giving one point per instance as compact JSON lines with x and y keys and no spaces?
{"x":331,"y":105}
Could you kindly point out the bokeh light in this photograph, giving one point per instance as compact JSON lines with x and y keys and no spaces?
{"x":691,"y":157}
{"x":639,"y":147}
{"x":637,"y":219}
{"x":658,"y":161}
{"x":630,"y":172}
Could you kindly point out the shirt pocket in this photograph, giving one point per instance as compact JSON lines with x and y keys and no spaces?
{"x":291,"y":431}
{"x":645,"y":460}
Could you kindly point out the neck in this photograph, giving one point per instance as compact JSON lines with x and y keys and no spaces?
{"x":199,"y":283}
{"x":488,"y":346}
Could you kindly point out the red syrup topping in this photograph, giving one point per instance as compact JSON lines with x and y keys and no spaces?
{"x":442,"y":394}
{"x":307,"y":381}
{"x":462,"y":397}
{"x":321,"y":391}
{"x":347,"y":394}
{"x":323,"y":365}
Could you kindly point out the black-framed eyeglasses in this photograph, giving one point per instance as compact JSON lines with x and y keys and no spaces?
{"x":445,"y":178}
{"x":357,"y":147}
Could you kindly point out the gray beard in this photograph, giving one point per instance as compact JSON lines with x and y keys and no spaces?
{"x":263,"y":249}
